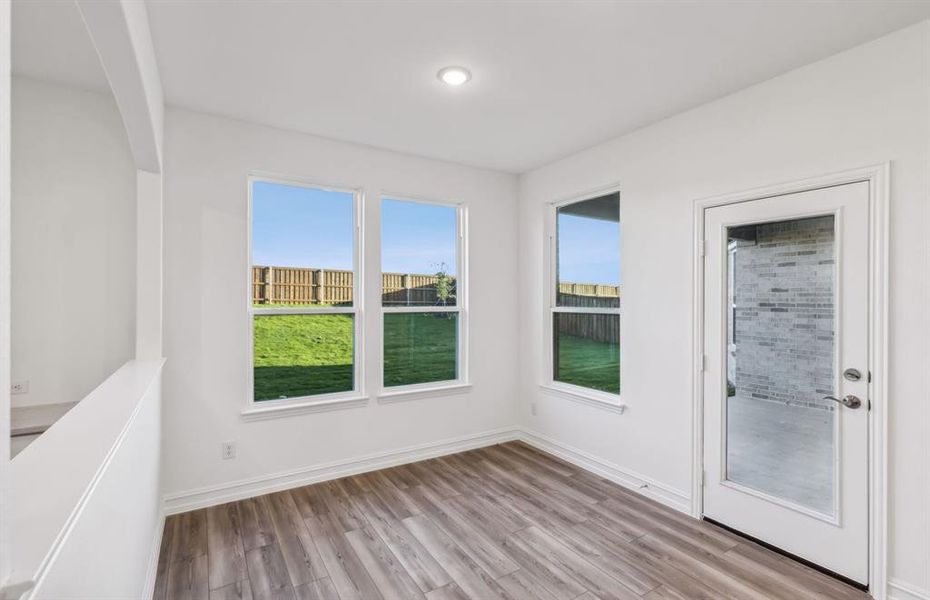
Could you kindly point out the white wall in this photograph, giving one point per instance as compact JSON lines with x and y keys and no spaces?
{"x":5,"y":139}
{"x":74,"y":236}
{"x":207,"y":160}
{"x":865,"y":106}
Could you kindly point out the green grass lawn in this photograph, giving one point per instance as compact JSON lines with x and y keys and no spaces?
{"x":588,"y":363}
{"x":419,"y":348}
{"x":301,"y":355}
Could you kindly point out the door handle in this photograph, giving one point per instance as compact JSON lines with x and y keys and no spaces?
{"x":848,"y":401}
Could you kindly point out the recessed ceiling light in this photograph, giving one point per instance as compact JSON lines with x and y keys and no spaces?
{"x":454,"y":75}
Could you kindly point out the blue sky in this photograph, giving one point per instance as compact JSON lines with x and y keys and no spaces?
{"x":416,"y":237}
{"x":301,"y":227}
{"x":294,"y":226}
{"x":589,"y":250}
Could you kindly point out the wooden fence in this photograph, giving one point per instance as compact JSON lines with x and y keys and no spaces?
{"x":296,"y":286}
{"x":407,"y":289}
{"x":292,"y":285}
{"x":588,"y":291}
{"x":596,"y":327}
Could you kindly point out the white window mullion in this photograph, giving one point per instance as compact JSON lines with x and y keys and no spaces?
{"x":586,"y":310}
{"x":422,"y":309}
{"x":301,"y":310}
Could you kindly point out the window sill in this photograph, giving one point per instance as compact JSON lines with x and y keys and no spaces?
{"x":604,"y":401}
{"x":257,"y":412}
{"x":405,"y":394}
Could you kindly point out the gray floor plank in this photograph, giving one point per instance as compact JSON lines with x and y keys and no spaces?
{"x":300,"y":553}
{"x":345,"y":570}
{"x":477,"y":545}
{"x":321,"y":589}
{"x":520,"y":585}
{"x":255,"y":520}
{"x":189,"y":539}
{"x":582,"y":571}
{"x":422,"y":566}
{"x":268,"y":574}
{"x":389,"y":575}
{"x":241,"y":590}
{"x":188,"y":579}
{"x":466,"y":573}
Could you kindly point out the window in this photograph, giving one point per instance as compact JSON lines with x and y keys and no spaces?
{"x":304,"y":286}
{"x":422,"y":293}
{"x":584,"y":295}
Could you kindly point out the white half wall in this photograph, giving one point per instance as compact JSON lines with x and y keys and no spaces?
{"x":87,"y":509}
{"x":74,"y":241}
{"x":865,"y":106}
{"x":207,"y":161}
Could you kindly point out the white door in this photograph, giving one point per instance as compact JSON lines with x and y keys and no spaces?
{"x":786,"y":283}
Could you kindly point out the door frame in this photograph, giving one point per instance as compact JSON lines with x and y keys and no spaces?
{"x":877,"y":176}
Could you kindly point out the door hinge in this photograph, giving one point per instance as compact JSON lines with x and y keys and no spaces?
{"x":703,"y":362}
{"x":702,"y":248}
{"x":703,"y":477}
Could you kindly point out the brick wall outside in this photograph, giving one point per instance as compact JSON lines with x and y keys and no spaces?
{"x":783,"y":289}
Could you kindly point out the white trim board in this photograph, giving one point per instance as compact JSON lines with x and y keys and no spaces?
{"x":256,"y":486}
{"x":898,"y":590}
{"x":151,"y":575}
{"x":180,"y":502}
{"x":660,"y":492}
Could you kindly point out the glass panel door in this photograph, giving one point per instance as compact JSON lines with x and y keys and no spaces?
{"x":781,"y":321}
{"x":785,"y":320}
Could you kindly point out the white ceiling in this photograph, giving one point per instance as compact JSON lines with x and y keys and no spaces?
{"x":50,"y":42}
{"x":550,"y":78}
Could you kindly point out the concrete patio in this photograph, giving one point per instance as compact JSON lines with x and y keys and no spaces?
{"x":782,"y":450}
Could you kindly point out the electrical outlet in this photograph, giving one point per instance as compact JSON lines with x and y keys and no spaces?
{"x":19,"y":387}
{"x":533,"y":408}
{"x":229,"y":450}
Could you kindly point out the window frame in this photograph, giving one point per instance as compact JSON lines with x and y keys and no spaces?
{"x":462,"y":382}
{"x":551,"y":281}
{"x":259,"y":409}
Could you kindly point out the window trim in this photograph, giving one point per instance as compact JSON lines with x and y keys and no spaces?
{"x":462,"y":383}
{"x":262,"y":409}
{"x":562,"y":389}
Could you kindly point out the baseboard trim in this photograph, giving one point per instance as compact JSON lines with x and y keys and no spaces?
{"x":650,"y":488}
{"x":247,"y":488}
{"x":148,"y":590}
{"x":898,"y":590}
{"x":256,"y":486}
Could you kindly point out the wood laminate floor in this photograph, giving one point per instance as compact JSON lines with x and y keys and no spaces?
{"x":501,"y":522}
